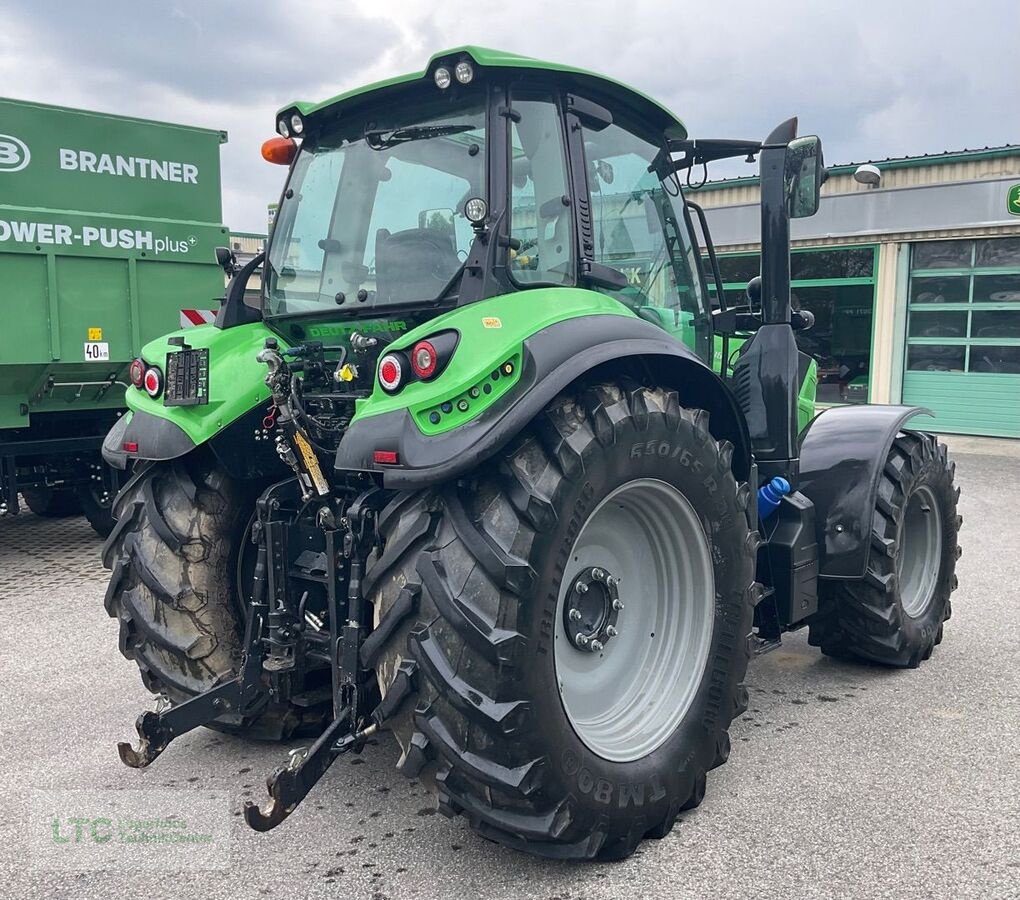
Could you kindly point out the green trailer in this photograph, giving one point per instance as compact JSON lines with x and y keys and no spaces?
{"x":108,"y":230}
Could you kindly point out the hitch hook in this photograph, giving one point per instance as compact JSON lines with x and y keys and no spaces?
{"x":290,"y":784}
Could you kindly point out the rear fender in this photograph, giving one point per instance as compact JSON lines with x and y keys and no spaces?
{"x":551,"y":359}
{"x":153,"y":431}
{"x":842,"y":455}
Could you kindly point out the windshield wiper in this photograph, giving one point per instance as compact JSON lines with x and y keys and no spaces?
{"x":380,"y":139}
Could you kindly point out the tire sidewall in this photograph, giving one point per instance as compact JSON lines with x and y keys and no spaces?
{"x":935,"y":475}
{"x":687,"y":458}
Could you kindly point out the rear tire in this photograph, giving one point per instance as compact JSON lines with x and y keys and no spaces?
{"x":895,"y":615}
{"x":173,"y":553}
{"x":52,"y":503}
{"x":485,"y":563}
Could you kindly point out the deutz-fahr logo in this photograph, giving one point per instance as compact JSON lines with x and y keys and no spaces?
{"x":14,"y":154}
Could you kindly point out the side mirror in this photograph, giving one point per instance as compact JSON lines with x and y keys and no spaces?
{"x":803,"y":176}
{"x":227,"y":260}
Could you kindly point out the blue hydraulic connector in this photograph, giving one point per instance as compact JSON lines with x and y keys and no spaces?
{"x":770,"y":496}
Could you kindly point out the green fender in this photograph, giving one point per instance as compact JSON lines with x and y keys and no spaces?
{"x":236,"y":386}
{"x":514,"y":354}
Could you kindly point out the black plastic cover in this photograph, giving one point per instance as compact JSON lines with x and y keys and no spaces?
{"x":842,"y":454}
{"x":156,"y":438}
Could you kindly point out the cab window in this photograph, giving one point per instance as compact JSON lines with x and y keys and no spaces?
{"x":640,"y":230}
{"x":540,"y":222}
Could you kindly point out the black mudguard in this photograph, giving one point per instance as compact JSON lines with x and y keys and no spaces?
{"x":154,"y":438}
{"x":553,"y":358}
{"x":842,"y":453}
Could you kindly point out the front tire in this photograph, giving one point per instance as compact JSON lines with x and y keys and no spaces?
{"x":173,"y":552}
{"x":490,"y":562}
{"x":895,"y":615}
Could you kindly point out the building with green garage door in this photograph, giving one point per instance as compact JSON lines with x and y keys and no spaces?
{"x":962,"y":355}
{"x":912,"y":269}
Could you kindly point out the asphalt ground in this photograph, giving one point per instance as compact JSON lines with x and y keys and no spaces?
{"x":845,"y":780}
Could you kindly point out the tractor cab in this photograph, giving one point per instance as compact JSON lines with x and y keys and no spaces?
{"x":483,"y":176}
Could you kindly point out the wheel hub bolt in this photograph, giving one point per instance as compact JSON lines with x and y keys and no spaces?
{"x":596,"y":646}
{"x":581,"y":587}
{"x":598,"y":574}
{"x":617,"y":605}
{"x":575,"y":615}
{"x":582,"y":640}
{"x":611,"y":630}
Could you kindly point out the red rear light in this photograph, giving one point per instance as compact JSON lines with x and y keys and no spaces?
{"x":153,"y":382}
{"x":424,"y":359}
{"x":136,"y":372}
{"x":391,"y":372}
{"x":130,"y":446}
{"x":385,"y":457}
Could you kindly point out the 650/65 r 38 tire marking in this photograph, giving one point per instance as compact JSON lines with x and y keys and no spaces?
{"x":491,"y":561}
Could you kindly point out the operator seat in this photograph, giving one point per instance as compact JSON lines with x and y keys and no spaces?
{"x":411,"y":265}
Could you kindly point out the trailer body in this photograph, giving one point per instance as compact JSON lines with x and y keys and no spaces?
{"x":108,"y":227}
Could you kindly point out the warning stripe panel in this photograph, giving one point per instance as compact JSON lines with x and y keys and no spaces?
{"x":191,"y":317}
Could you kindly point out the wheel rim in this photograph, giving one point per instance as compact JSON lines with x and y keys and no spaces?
{"x":627,"y":696}
{"x":920,"y":550}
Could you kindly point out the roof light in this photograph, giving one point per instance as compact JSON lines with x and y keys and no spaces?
{"x":282,"y":127}
{"x":297,"y":124}
{"x":391,"y":373}
{"x":464,"y":72}
{"x":136,"y":372}
{"x":424,"y":359}
{"x":443,"y":78}
{"x":475,"y":210}
{"x":153,"y":382}
{"x":279,"y":150}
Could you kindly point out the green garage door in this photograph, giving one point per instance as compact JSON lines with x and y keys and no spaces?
{"x":962,"y":356}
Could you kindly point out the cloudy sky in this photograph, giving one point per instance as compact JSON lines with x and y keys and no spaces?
{"x":874,"y":79}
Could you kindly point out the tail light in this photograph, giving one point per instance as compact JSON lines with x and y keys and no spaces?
{"x":391,"y":372}
{"x":136,"y":372}
{"x":424,"y":359}
{"x":153,"y":382}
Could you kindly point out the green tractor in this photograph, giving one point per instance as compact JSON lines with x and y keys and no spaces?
{"x":491,"y":469}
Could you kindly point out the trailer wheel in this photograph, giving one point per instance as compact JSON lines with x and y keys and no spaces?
{"x":52,"y":503}
{"x":180,"y":527}
{"x":97,"y":511}
{"x":895,"y":615}
{"x":575,"y":616}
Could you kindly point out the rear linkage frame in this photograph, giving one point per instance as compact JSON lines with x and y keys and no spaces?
{"x":311,"y":541}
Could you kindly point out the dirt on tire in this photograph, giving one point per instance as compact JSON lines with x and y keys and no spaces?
{"x":173,"y":556}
